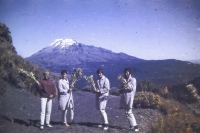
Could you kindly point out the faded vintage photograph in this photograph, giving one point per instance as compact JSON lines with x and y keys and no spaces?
{"x":93,"y":66}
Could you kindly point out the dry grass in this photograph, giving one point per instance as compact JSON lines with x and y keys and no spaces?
{"x":76,"y":73}
{"x":177,"y":118}
{"x":90,"y":80}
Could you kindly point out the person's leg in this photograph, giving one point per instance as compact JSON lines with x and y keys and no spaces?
{"x":105,"y":119}
{"x":104,"y":115}
{"x":64,"y":115}
{"x":71,"y":115}
{"x":131,"y":119}
{"x":48,"y":112}
{"x":43,"y":102}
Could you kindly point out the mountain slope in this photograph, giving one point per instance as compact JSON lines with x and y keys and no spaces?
{"x":10,"y":62}
{"x":69,"y":54}
{"x":195,"y":61}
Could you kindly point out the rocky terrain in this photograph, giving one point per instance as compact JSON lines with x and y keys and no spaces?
{"x":20,"y":111}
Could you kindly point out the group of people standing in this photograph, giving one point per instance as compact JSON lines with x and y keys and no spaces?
{"x":48,"y":91}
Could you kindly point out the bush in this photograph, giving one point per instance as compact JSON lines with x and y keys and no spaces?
{"x":88,"y":89}
{"x":147,"y":100}
{"x":176,"y":118}
{"x":147,"y":85}
{"x":114,"y":91}
{"x":181,"y":93}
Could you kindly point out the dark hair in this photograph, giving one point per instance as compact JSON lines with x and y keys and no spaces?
{"x":99,"y":71}
{"x":63,"y":71}
{"x":127,"y":69}
{"x":46,"y":72}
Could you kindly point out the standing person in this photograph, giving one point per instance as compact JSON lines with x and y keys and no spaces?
{"x":47,"y":91}
{"x":65,"y":98}
{"x":127,"y":97}
{"x":102,"y":96}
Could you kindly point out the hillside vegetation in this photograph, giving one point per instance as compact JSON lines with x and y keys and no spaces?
{"x":10,"y":62}
{"x":172,"y":103}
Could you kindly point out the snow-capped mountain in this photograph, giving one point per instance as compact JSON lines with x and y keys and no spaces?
{"x":63,"y":43}
{"x":70,"y":52}
{"x":57,"y":46}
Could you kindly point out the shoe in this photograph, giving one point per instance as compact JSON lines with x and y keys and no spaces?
{"x":134,"y":128}
{"x":100,"y":125}
{"x":41,"y":127}
{"x":105,"y":128}
{"x":65,"y":124}
{"x":48,"y":125}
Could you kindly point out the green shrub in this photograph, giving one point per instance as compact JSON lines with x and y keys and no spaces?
{"x":145,"y":99}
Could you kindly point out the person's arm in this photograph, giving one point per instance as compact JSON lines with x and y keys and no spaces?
{"x":54,"y":90}
{"x":40,"y":87}
{"x":132,"y":84}
{"x":60,"y":88}
{"x":106,"y":87}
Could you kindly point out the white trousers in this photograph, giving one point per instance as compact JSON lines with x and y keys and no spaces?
{"x":130,"y":117}
{"x":64,"y":115}
{"x":104,"y":115}
{"x":46,"y":105}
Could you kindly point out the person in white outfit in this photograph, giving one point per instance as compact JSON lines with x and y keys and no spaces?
{"x":47,"y":92}
{"x":65,"y":97}
{"x":102,"y":93}
{"x":127,"y":97}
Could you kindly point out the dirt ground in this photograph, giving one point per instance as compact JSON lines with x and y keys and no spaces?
{"x":20,"y":113}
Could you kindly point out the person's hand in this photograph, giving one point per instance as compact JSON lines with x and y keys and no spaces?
{"x":97,"y":90}
{"x":38,"y":83}
{"x":51,"y":96}
{"x":70,"y":89}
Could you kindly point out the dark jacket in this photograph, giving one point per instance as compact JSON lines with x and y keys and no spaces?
{"x":47,"y":88}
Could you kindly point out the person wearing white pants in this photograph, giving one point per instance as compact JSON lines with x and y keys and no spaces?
{"x":64,"y":116}
{"x":102,"y":96}
{"x":46,"y":105}
{"x":47,"y":91}
{"x":127,"y":96}
{"x":65,"y":97}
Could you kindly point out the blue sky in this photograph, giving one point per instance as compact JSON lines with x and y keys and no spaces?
{"x":156,"y":29}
